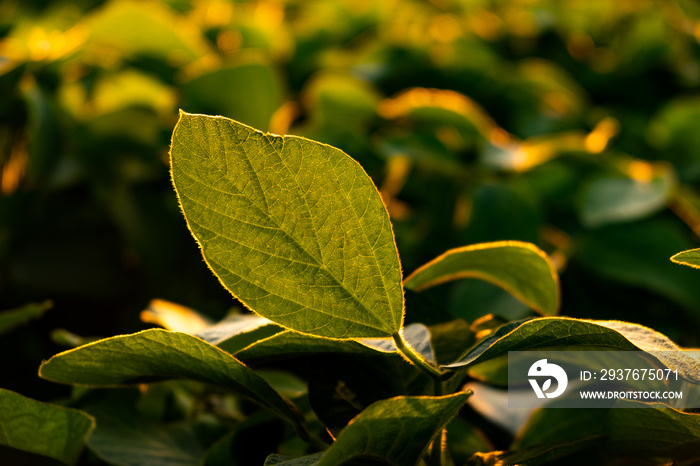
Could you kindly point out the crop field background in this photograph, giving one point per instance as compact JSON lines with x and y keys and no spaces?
{"x":573,"y":125}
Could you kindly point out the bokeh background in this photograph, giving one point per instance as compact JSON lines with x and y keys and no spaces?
{"x":572,"y":124}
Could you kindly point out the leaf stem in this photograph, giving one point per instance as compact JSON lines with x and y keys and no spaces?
{"x":418,"y":360}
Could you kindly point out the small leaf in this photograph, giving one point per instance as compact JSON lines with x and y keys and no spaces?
{"x":552,"y":332}
{"x":691,"y":258}
{"x":398,"y":429}
{"x":295,"y":229}
{"x":546,"y":385}
{"x":13,"y":318}
{"x":156,"y":355}
{"x":520,"y":268}
{"x":42,"y":428}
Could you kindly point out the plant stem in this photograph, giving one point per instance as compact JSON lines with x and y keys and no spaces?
{"x":434,"y":373}
{"x":418,"y":360}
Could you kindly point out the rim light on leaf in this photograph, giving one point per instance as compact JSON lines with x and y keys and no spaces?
{"x":295,"y":229}
{"x":520,"y":268}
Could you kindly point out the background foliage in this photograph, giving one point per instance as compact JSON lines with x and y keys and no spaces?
{"x":572,"y":125}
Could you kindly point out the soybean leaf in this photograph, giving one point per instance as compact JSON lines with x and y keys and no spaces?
{"x":13,"y":318}
{"x":42,"y":428}
{"x":560,"y":425}
{"x":295,"y":229}
{"x":398,"y":429}
{"x":615,"y":199}
{"x":156,"y":355}
{"x":237,"y":332}
{"x":658,"y":431}
{"x":520,"y":268}
{"x":464,"y":440}
{"x":291,"y":344}
{"x":691,"y":258}
{"x":551,"y":332}
{"x":124,"y":438}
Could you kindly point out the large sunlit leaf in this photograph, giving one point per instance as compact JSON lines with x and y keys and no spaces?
{"x":552,"y":332}
{"x":520,"y":268}
{"x":158,"y":354}
{"x":295,"y":229}
{"x":41,"y":428}
{"x":398,"y":429}
{"x":13,"y":318}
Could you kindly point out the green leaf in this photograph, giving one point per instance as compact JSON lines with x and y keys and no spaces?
{"x":552,"y":332}
{"x":398,"y":429}
{"x":42,"y":428}
{"x":520,"y":268}
{"x":239,"y":331}
{"x":615,"y":199}
{"x":288,"y":344}
{"x":657,"y":431}
{"x":124,"y":438}
{"x":293,"y":228}
{"x":13,"y":318}
{"x":156,"y":355}
{"x":691,"y":258}
{"x":255,"y":106}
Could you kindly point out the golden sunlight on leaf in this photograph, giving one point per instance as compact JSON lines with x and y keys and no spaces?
{"x":597,"y":140}
{"x":174,"y":317}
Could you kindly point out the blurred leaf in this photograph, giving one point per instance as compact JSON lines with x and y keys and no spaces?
{"x":554,"y":424}
{"x":154,"y":355}
{"x":148,"y":28}
{"x":398,"y":429}
{"x":464,"y":440}
{"x":239,"y":331}
{"x":616,"y":199}
{"x":254,"y":93}
{"x":551,"y":332}
{"x":175,"y":317}
{"x":520,"y":268}
{"x":449,"y":339}
{"x":42,"y":428}
{"x":331,"y":270}
{"x":284,"y":383}
{"x":491,"y":204}
{"x":637,"y":254}
{"x":124,"y":438}
{"x":131,"y":88}
{"x":13,"y":318}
